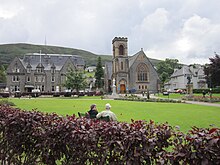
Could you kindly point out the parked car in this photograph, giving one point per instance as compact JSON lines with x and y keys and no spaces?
{"x":165,"y":93}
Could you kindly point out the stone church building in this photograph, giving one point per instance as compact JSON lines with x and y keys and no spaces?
{"x":131,"y":73}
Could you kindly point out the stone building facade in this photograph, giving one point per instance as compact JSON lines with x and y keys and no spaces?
{"x":179,"y":78}
{"x":42,"y":72}
{"x":131,"y":73}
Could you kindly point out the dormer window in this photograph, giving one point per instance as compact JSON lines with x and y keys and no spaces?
{"x":28,"y":68}
{"x":40,"y":68}
{"x":17,"y":70}
{"x":53,"y":68}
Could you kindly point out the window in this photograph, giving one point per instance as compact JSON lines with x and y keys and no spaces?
{"x":15,"y":78}
{"x":121,"y":50}
{"x":121,"y":65}
{"x":36,"y":79}
{"x":52,"y":89}
{"x":17,"y":88}
{"x":142,"y":73}
{"x":17,"y":70}
{"x":40,"y":70}
{"x":28,"y":79}
{"x":52,"y":78}
{"x":42,"y":88}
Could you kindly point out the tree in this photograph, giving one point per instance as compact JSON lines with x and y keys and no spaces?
{"x":166,"y":68}
{"x":75,"y":80}
{"x":2,"y":74}
{"x":212,"y":71}
{"x":99,"y":74}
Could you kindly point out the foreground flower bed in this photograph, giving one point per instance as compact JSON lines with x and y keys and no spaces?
{"x":32,"y":137}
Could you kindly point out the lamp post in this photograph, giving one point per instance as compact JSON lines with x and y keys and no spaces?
{"x":210,"y":93}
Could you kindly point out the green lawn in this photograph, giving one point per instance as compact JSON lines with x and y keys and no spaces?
{"x":183,"y":115}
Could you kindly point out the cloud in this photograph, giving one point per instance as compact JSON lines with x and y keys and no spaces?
{"x":187,"y":30}
{"x":198,"y":39}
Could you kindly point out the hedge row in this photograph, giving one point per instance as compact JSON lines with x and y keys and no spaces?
{"x":164,"y":100}
{"x":214,"y":90}
{"x":54,"y":94}
{"x":32,"y":137}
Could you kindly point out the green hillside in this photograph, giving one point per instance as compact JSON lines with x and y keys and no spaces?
{"x":9,"y":51}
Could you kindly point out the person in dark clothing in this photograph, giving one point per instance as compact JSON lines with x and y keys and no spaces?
{"x":93,"y":111}
{"x":203,"y":94}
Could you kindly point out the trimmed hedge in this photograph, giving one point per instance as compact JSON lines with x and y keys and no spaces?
{"x":164,"y":100}
{"x":32,"y":137}
{"x":214,"y":90}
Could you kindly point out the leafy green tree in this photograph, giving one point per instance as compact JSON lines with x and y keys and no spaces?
{"x":166,"y":68}
{"x":2,"y":74}
{"x":99,"y":74}
{"x":75,"y":80}
{"x":212,"y":71}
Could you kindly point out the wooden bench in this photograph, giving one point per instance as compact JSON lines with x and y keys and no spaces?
{"x":106,"y":118}
{"x":80,"y":114}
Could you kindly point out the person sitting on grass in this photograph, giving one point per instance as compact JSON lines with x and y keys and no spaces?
{"x":92,"y":112}
{"x":107,"y":112}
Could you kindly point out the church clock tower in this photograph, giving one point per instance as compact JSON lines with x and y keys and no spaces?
{"x":120,"y":67}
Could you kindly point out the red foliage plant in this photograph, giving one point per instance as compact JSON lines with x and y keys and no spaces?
{"x":33,"y":137}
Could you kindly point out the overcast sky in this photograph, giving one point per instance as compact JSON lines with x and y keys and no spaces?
{"x":188,"y":30}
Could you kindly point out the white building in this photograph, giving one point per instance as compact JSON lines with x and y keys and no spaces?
{"x":90,"y":69}
{"x":180,"y":78}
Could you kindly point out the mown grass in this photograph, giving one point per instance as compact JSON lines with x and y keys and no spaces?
{"x":183,"y":115}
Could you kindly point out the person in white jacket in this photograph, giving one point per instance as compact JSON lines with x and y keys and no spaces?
{"x":107,"y":112}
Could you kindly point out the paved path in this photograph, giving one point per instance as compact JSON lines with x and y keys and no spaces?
{"x":196,"y":102}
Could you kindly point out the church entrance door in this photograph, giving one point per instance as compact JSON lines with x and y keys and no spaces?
{"x":122,"y":88}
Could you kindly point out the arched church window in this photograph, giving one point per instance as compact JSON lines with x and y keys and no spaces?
{"x":121,"y":65}
{"x":121,"y":50}
{"x":142,"y":72}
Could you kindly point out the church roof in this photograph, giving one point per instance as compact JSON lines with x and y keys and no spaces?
{"x":133,"y":58}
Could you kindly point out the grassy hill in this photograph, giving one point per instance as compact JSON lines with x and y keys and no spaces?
{"x":9,"y":51}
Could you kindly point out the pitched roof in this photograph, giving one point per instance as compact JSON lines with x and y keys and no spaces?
{"x":133,"y":58}
{"x":50,"y":60}
{"x":185,"y":70}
